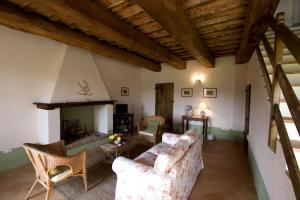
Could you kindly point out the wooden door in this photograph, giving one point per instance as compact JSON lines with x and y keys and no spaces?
{"x":164,"y":99}
{"x":247,"y":117}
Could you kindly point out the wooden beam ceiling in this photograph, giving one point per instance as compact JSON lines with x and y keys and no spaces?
{"x":87,"y":18}
{"x":170,"y":34}
{"x":170,"y":15}
{"x":16,"y":18}
{"x":254,"y":29}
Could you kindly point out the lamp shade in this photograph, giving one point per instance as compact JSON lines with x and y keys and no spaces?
{"x":203,"y":105}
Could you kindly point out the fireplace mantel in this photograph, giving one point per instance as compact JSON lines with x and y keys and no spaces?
{"x":51,"y":106}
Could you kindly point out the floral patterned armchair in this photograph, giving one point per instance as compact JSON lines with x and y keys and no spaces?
{"x":158,"y":173}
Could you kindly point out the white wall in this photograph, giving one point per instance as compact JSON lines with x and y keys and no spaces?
{"x":28,"y":69}
{"x":271,"y":166}
{"x":296,"y":12}
{"x":78,"y":65}
{"x":226,"y":111}
{"x":291,"y":8}
{"x":117,"y":74}
{"x":37,"y":69}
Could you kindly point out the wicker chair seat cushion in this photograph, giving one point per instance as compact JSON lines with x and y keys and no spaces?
{"x":60,"y":176}
{"x":145,"y":132}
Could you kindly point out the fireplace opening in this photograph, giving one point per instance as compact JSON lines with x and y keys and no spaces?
{"x":76,"y":123}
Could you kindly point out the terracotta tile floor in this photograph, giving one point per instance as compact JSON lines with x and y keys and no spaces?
{"x":226,"y":176}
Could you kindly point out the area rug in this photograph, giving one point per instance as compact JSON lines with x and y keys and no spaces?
{"x":101,"y":185}
{"x":101,"y":181}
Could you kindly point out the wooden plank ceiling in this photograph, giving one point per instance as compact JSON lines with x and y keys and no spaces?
{"x":219,"y":23}
{"x":215,"y":25}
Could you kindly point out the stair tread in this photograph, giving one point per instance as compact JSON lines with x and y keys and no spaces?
{"x":293,"y":78}
{"x":272,"y":35}
{"x":284,"y":101}
{"x":293,"y":28}
{"x":288,"y":120}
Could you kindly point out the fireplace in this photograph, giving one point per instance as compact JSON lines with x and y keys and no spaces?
{"x":72,"y":130}
{"x":76,"y":123}
{"x":71,"y":121}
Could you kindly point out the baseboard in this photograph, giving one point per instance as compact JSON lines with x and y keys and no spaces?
{"x":222,"y":134}
{"x":18,"y":156}
{"x":260,"y":186}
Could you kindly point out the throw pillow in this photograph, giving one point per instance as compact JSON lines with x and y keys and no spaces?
{"x":166,"y":159}
{"x":190,"y":136}
{"x":152,"y":125}
{"x":55,"y":171}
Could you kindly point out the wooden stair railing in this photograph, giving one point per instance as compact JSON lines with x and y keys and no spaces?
{"x":280,"y":82}
{"x":288,"y":152}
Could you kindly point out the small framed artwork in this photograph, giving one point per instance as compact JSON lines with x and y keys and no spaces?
{"x":210,"y":92}
{"x":124,"y":91}
{"x":186,"y":92}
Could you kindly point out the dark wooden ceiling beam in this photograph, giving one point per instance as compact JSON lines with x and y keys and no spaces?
{"x":16,"y":18}
{"x":171,"y":16}
{"x":108,"y":28}
{"x":255,"y":27}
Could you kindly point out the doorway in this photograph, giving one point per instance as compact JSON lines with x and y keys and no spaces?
{"x":247,"y":117}
{"x":164,"y":100}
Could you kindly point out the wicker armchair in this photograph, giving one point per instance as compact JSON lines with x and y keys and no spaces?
{"x":155,"y":136}
{"x":45,"y":158}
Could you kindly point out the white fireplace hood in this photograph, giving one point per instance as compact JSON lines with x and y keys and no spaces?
{"x":78,"y":74}
{"x":76,"y":67}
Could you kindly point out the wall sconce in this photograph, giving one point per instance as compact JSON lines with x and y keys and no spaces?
{"x":198,"y":79}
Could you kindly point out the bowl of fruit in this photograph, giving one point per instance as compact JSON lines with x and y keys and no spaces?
{"x":116,"y":138}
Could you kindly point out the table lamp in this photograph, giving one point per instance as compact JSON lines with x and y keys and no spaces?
{"x":202,"y":107}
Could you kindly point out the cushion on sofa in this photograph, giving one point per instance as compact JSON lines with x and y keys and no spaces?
{"x":167,"y":158}
{"x":190,"y":136}
{"x":159,"y":148}
{"x":170,"y":138}
{"x":146,"y":158}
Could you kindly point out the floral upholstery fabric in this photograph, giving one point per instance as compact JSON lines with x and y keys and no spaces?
{"x":190,"y":136}
{"x":159,"y":148}
{"x":146,"y":158}
{"x":186,"y":170}
{"x":168,"y":158}
{"x":170,"y":138}
{"x":138,"y":181}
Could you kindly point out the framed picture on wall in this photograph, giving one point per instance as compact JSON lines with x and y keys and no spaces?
{"x":186,"y":92}
{"x":124,"y":91}
{"x":210,"y":92}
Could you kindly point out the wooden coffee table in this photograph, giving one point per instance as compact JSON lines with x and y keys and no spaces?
{"x":112,"y":151}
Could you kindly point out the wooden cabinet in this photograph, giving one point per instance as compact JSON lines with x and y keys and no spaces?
{"x":123,"y":121}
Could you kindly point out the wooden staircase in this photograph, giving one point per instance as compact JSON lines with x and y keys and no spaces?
{"x":292,"y":69}
{"x":279,"y":56}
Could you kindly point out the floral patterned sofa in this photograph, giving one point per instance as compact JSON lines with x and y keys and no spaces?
{"x":167,"y":171}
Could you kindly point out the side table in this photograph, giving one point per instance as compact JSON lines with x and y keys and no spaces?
{"x":112,"y":151}
{"x":204,"y":120}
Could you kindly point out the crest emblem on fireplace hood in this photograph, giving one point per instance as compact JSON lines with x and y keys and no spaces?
{"x":85,"y":89}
